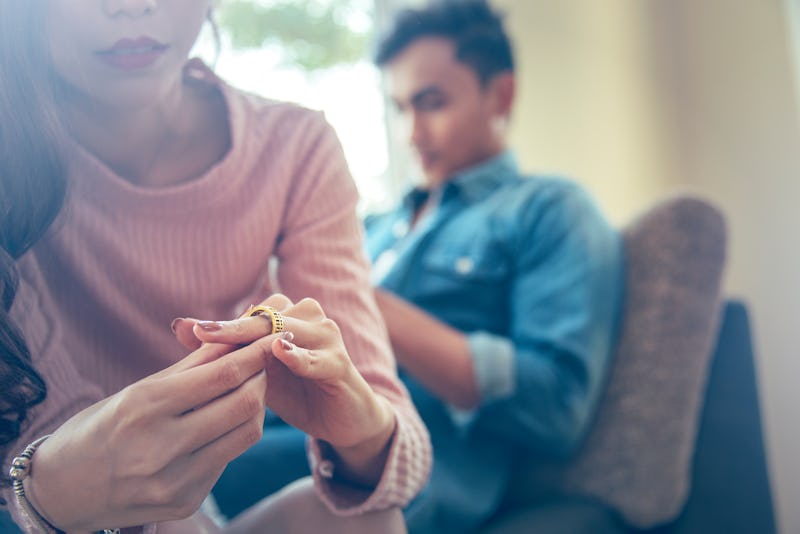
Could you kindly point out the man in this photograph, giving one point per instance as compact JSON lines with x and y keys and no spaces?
{"x":501,"y":292}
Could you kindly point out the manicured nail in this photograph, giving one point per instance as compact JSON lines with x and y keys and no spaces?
{"x":210,"y":326}
{"x":174,"y":324}
{"x":288,"y":336}
{"x":285,"y":345}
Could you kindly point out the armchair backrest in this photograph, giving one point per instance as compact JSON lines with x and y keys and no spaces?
{"x":730,"y":490}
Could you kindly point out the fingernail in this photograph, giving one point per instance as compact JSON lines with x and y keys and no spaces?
{"x":210,"y":326}
{"x":288,"y":336}
{"x":174,"y":324}
{"x":285,"y":345}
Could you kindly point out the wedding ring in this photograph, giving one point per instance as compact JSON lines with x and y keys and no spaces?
{"x":275,"y":317}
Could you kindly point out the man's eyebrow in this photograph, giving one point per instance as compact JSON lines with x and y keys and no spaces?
{"x":431,"y":90}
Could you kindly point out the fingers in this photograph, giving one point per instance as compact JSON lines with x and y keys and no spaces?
{"x":206,"y":353}
{"x":230,"y":424}
{"x":206,"y":424}
{"x":183,"y":329}
{"x":238,"y":331}
{"x":192,"y":333}
{"x":305,"y":363}
{"x":305,"y":323}
{"x":198,"y":385}
{"x":278,"y":301}
{"x":308,"y":309}
{"x":230,"y":445}
{"x":302,"y":319}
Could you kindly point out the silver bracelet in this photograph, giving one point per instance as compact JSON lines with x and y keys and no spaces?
{"x":20,"y":470}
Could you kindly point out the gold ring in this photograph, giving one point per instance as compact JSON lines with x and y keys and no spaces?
{"x":275,"y":317}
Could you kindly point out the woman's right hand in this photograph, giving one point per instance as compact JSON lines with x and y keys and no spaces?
{"x":153,"y":451}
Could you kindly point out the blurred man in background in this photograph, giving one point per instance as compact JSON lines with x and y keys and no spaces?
{"x":501,"y":292}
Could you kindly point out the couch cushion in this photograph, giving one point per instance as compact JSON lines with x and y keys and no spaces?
{"x":637,"y":457}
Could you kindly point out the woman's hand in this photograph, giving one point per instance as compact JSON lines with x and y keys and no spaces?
{"x":153,"y":451}
{"x":312,"y":383}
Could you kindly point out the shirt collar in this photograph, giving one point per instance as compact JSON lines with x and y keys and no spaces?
{"x":478,"y":181}
{"x":473,"y":183}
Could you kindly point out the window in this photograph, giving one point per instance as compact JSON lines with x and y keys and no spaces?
{"x":315,"y":53}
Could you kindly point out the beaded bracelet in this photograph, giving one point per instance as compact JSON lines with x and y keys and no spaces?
{"x":20,"y":470}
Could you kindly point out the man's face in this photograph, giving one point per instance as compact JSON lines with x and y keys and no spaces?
{"x":450,"y":119}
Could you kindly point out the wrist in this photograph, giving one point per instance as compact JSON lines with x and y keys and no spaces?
{"x":20,"y":472}
{"x":363,"y":463}
{"x":33,"y":486}
{"x":30,"y":492}
{"x":27,"y":489}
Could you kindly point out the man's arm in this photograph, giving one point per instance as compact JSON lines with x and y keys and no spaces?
{"x":435,"y":354}
{"x":564,"y":306}
{"x":538,"y":384}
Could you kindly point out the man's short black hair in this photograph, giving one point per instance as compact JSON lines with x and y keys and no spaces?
{"x":474,"y":28}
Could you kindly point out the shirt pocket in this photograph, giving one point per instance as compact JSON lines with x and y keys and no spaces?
{"x":479,"y":261}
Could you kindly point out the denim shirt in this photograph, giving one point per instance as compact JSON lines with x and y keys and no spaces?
{"x":530,"y":271}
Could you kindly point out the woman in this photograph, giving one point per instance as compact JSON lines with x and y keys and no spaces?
{"x":136,"y":188}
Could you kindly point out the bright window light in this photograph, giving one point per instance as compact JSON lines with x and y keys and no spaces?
{"x":349,"y":93}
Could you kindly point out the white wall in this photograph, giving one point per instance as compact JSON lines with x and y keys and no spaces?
{"x":638,"y":98}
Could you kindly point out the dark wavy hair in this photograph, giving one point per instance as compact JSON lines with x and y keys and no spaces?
{"x":32,"y":190}
{"x":475,"y":29}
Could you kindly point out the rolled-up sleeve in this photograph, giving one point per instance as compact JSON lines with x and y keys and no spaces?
{"x":493,"y":364}
{"x":494,"y":368}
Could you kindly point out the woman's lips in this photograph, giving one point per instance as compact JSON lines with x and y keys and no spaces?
{"x":133,"y":54}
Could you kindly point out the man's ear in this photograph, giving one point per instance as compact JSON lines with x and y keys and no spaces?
{"x":503,"y":87}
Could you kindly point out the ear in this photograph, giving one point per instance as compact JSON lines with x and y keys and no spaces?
{"x":503,"y":88}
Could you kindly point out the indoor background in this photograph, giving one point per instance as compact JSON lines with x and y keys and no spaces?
{"x":638,"y":100}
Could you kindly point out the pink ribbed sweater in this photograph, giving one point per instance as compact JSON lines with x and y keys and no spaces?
{"x":98,"y":294}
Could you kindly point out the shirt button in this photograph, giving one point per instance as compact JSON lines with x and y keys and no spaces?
{"x":400,"y":229}
{"x":464,"y":265}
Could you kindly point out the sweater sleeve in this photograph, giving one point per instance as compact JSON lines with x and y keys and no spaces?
{"x":67,"y":391}
{"x":320,"y":254}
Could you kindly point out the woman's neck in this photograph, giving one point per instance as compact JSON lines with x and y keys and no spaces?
{"x":171,"y":141}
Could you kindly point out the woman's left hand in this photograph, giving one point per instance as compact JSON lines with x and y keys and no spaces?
{"x":312,"y":382}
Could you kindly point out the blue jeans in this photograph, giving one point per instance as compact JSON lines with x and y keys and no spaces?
{"x":7,"y":526}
